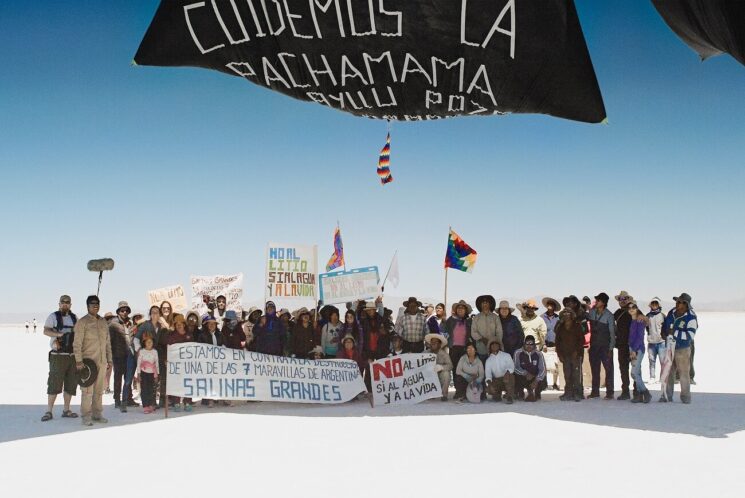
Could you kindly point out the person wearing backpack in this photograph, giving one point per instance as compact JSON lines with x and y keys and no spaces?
{"x":62,"y":372}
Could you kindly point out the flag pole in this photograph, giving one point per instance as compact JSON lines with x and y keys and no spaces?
{"x":450,"y":229}
{"x":382,"y":287}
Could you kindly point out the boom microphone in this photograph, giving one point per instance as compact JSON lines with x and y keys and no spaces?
{"x":105,"y":264}
{"x":100,"y":265}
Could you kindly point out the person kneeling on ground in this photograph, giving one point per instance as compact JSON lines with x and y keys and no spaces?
{"x":530,"y":371}
{"x":443,"y":365}
{"x":468,"y":374}
{"x":570,"y":339}
{"x":499,"y":373}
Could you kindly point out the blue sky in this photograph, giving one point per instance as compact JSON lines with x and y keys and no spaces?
{"x":179,"y":171}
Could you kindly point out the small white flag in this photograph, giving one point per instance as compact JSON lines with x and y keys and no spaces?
{"x":393,"y":272}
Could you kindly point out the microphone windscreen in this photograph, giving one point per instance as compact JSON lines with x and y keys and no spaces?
{"x":105,"y":264}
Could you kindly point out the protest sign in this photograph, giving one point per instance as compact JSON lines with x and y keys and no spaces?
{"x":230,"y":286}
{"x":174,"y":294}
{"x":215,"y":372}
{"x":407,"y":60}
{"x":291,"y":272}
{"x":351,"y":285}
{"x":406,"y":379}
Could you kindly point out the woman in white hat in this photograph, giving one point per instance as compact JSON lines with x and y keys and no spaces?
{"x":443,"y":364}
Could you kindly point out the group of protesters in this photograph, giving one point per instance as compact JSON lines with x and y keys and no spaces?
{"x":493,"y":353}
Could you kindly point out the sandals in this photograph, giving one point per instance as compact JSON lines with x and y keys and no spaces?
{"x":47,"y":416}
{"x":69,"y":414}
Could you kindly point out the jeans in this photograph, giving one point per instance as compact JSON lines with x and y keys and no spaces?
{"x":604,"y":356}
{"x":655,"y":350}
{"x":692,"y":373}
{"x":636,"y":371}
{"x":120,"y":373}
{"x":128,"y":377}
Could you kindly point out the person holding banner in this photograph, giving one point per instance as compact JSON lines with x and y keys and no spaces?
{"x":178,"y":335}
{"x":270,"y":332}
{"x":499,"y":372}
{"x":443,"y":364}
{"x":303,"y":337}
{"x":210,"y":335}
{"x":350,"y":351}
{"x":468,"y":374}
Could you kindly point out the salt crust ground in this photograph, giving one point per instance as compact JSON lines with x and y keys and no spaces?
{"x":593,"y":448}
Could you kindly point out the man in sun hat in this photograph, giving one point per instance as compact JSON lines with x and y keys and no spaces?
{"x":412,"y":326}
{"x":92,"y":341}
{"x":443,"y":364}
{"x":533,"y":324}
{"x":499,"y":373}
{"x":121,"y":331}
{"x":623,"y":326}
{"x":485,"y":325}
{"x":682,"y":324}
{"x":602,"y":342}
{"x":512,"y":330}
{"x":656,"y":335}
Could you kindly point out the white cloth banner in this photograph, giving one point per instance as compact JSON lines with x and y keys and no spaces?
{"x":406,"y":379}
{"x":230,"y":286}
{"x":291,"y":272}
{"x":174,"y":294}
{"x":348,"y":286}
{"x":198,"y":370}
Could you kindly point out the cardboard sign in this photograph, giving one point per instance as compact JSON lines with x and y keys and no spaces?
{"x":406,"y":379}
{"x":291,"y":272}
{"x":230,"y":286}
{"x":351,"y":285}
{"x":174,"y":294}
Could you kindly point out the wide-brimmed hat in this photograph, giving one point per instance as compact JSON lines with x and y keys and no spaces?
{"x":439,"y":337}
{"x":684,"y":297}
{"x":284,"y":311}
{"x":254,"y":309}
{"x":489,"y":299}
{"x":623,"y":296}
{"x":547,"y":300}
{"x":412,"y":300}
{"x":529,"y":304}
{"x":348,"y":336}
{"x":109,"y":315}
{"x":178,"y":318}
{"x":493,"y":340}
{"x":505,"y":304}
{"x":192,"y":313}
{"x":460,"y":303}
{"x":473,"y":392}
{"x":300,"y":312}
{"x":370,"y":305}
{"x":230,"y":315}
{"x":88,"y":374}
{"x":123,"y":304}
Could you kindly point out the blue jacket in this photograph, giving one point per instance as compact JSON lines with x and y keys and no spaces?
{"x":683,"y":328}
{"x":603,"y":329}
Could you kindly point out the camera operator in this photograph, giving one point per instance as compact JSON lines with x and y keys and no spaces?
{"x":62,"y":372}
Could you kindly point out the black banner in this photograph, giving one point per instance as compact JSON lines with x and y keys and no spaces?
{"x":390,"y":59}
{"x":709,"y":27}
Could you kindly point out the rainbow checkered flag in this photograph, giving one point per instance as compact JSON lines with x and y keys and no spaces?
{"x":459,"y":255}
{"x":337,"y":259}
{"x":384,"y":161}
